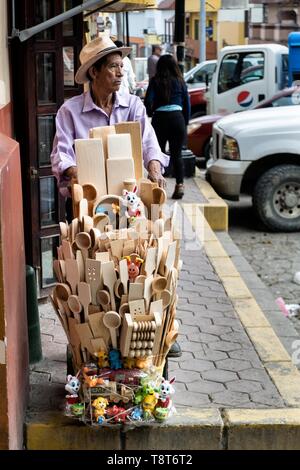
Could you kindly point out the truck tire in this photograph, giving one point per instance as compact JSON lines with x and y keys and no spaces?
{"x":276,"y":198}
{"x":206,"y":151}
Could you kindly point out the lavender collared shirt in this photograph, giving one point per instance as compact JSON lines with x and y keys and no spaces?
{"x":79,"y":114}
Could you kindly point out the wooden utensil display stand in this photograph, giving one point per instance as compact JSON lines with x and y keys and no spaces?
{"x":117,"y":275}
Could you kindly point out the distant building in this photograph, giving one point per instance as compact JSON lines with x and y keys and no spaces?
{"x":277,"y":20}
{"x":232,"y":23}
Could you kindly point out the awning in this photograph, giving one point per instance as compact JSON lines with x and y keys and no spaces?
{"x":128,"y":5}
{"x":89,"y":5}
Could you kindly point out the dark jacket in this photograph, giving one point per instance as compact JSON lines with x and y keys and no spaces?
{"x":179,"y":95}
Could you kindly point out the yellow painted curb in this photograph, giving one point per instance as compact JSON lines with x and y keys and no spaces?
{"x":225,"y":266}
{"x":267,"y":344}
{"x":287,"y":379}
{"x":216,"y":209}
{"x":272,"y":429}
{"x":235,"y":287}
{"x":275,"y":416}
{"x":250,"y":313}
{"x":214,"y":249}
{"x":272,"y":353}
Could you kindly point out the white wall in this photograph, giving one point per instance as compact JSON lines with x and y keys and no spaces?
{"x":4,"y":67}
{"x":153,"y":20}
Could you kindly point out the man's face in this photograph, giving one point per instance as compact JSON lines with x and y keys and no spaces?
{"x":109,"y":77}
{"x":158,"y":51}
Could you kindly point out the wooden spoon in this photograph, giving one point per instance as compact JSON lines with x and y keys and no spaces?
{"x":75,"y":307}
{"x":62,"y":293}
{"x":77,"y":196}
{"x":100,"y":221}
{"x":159,"y":284}
{"x":103,"y":299}
{"x":83,"y":241}
{"x":112,"y":321}
{"x":159,"y":198}
{"x":91,"y":194}
{"x":63,"y":227}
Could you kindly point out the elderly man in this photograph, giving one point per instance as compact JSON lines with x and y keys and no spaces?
{"x":102,"y":105}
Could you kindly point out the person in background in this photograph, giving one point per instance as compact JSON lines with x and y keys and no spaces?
{"x":152,"y":60}
{"x":167,"y":100}
{"x":128,"y":80}
{"x":101,"y":105}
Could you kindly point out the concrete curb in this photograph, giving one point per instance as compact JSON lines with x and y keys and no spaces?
{"x":215,"y":210}
{"x":273,"y":429}
{"x":190,"y":429}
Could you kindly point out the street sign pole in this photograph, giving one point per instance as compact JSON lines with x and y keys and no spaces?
{"x":202,"y":32}
{"x":179,"y":33}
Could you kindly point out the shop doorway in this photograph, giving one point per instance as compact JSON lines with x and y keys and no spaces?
{"x":43,"y":77}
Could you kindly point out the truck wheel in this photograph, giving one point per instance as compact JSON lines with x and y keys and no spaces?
{"x":206,"y":151}
{"x":276,"y":198}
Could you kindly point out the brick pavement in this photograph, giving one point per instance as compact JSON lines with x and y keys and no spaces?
{"x":219,"y":366}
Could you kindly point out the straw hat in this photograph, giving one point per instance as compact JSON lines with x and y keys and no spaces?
{"x":93,"y":51}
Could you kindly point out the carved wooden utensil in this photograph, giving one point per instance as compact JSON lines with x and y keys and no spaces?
{"x":112,"y":321}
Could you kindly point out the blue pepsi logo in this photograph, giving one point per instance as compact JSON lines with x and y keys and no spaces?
{"x":245,"y":99}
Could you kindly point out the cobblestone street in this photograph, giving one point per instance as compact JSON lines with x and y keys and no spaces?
{"x":275,"y":257}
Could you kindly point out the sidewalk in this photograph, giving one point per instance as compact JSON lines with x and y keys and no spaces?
{"x":235,"y":373}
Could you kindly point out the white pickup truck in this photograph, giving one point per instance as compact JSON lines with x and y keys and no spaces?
{"x":258,"y":152}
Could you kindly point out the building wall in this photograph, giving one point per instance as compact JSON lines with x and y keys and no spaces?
{"x":5,"y":106}
{"x":231,"y":28}
{"x":194,"y":5}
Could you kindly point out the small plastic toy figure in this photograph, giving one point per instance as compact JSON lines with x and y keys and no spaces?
{"x":118,"y":413}
{"x":102,"y":359}
{"x":137,"y":414}
{"x":100,"y":405}
{"x":166,"y":389}
{"x":161,"y":414}
{"x":134,"y":264}
{"x":77,"y":409}
{"x":133,"y":203}
{"x":72,"y":387}
{"x":149,"y":404}
{"x":141,"y":362}
{"x":129,"y":363}
{"x":114,"y":359}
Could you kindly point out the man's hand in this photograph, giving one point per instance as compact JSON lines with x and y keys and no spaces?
{"x":154,"y":173}
{"x":71,"y":173}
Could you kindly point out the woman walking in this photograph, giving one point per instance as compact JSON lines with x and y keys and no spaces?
{"x":167,"y":100}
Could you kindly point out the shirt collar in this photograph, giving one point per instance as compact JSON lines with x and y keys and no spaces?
{"x":120,"y":100}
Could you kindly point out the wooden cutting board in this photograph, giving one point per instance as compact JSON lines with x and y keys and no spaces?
{"x":91,"y":163}
{"x":118,"y":169}
{"x":134,"y":129}
{"x":102,"y":133}
{"x":119,"y":146}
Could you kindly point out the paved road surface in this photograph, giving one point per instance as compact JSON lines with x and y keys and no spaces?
{"x":275,"y":257}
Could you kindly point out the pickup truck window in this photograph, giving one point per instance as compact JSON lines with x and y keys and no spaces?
{"x":238,"y":69}
{"x":200,"y":75}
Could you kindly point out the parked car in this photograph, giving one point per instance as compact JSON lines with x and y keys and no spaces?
{"x":196,"y":79}
{"x":200,"y":129}
{"x":258,"y":152}
{"x":200,"y":74}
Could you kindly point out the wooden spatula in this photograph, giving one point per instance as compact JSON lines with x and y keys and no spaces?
{"x":84,"y":294}
{"x":93,"y":277}
{"x":72,"y":274}
{"x":109,"y":279}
